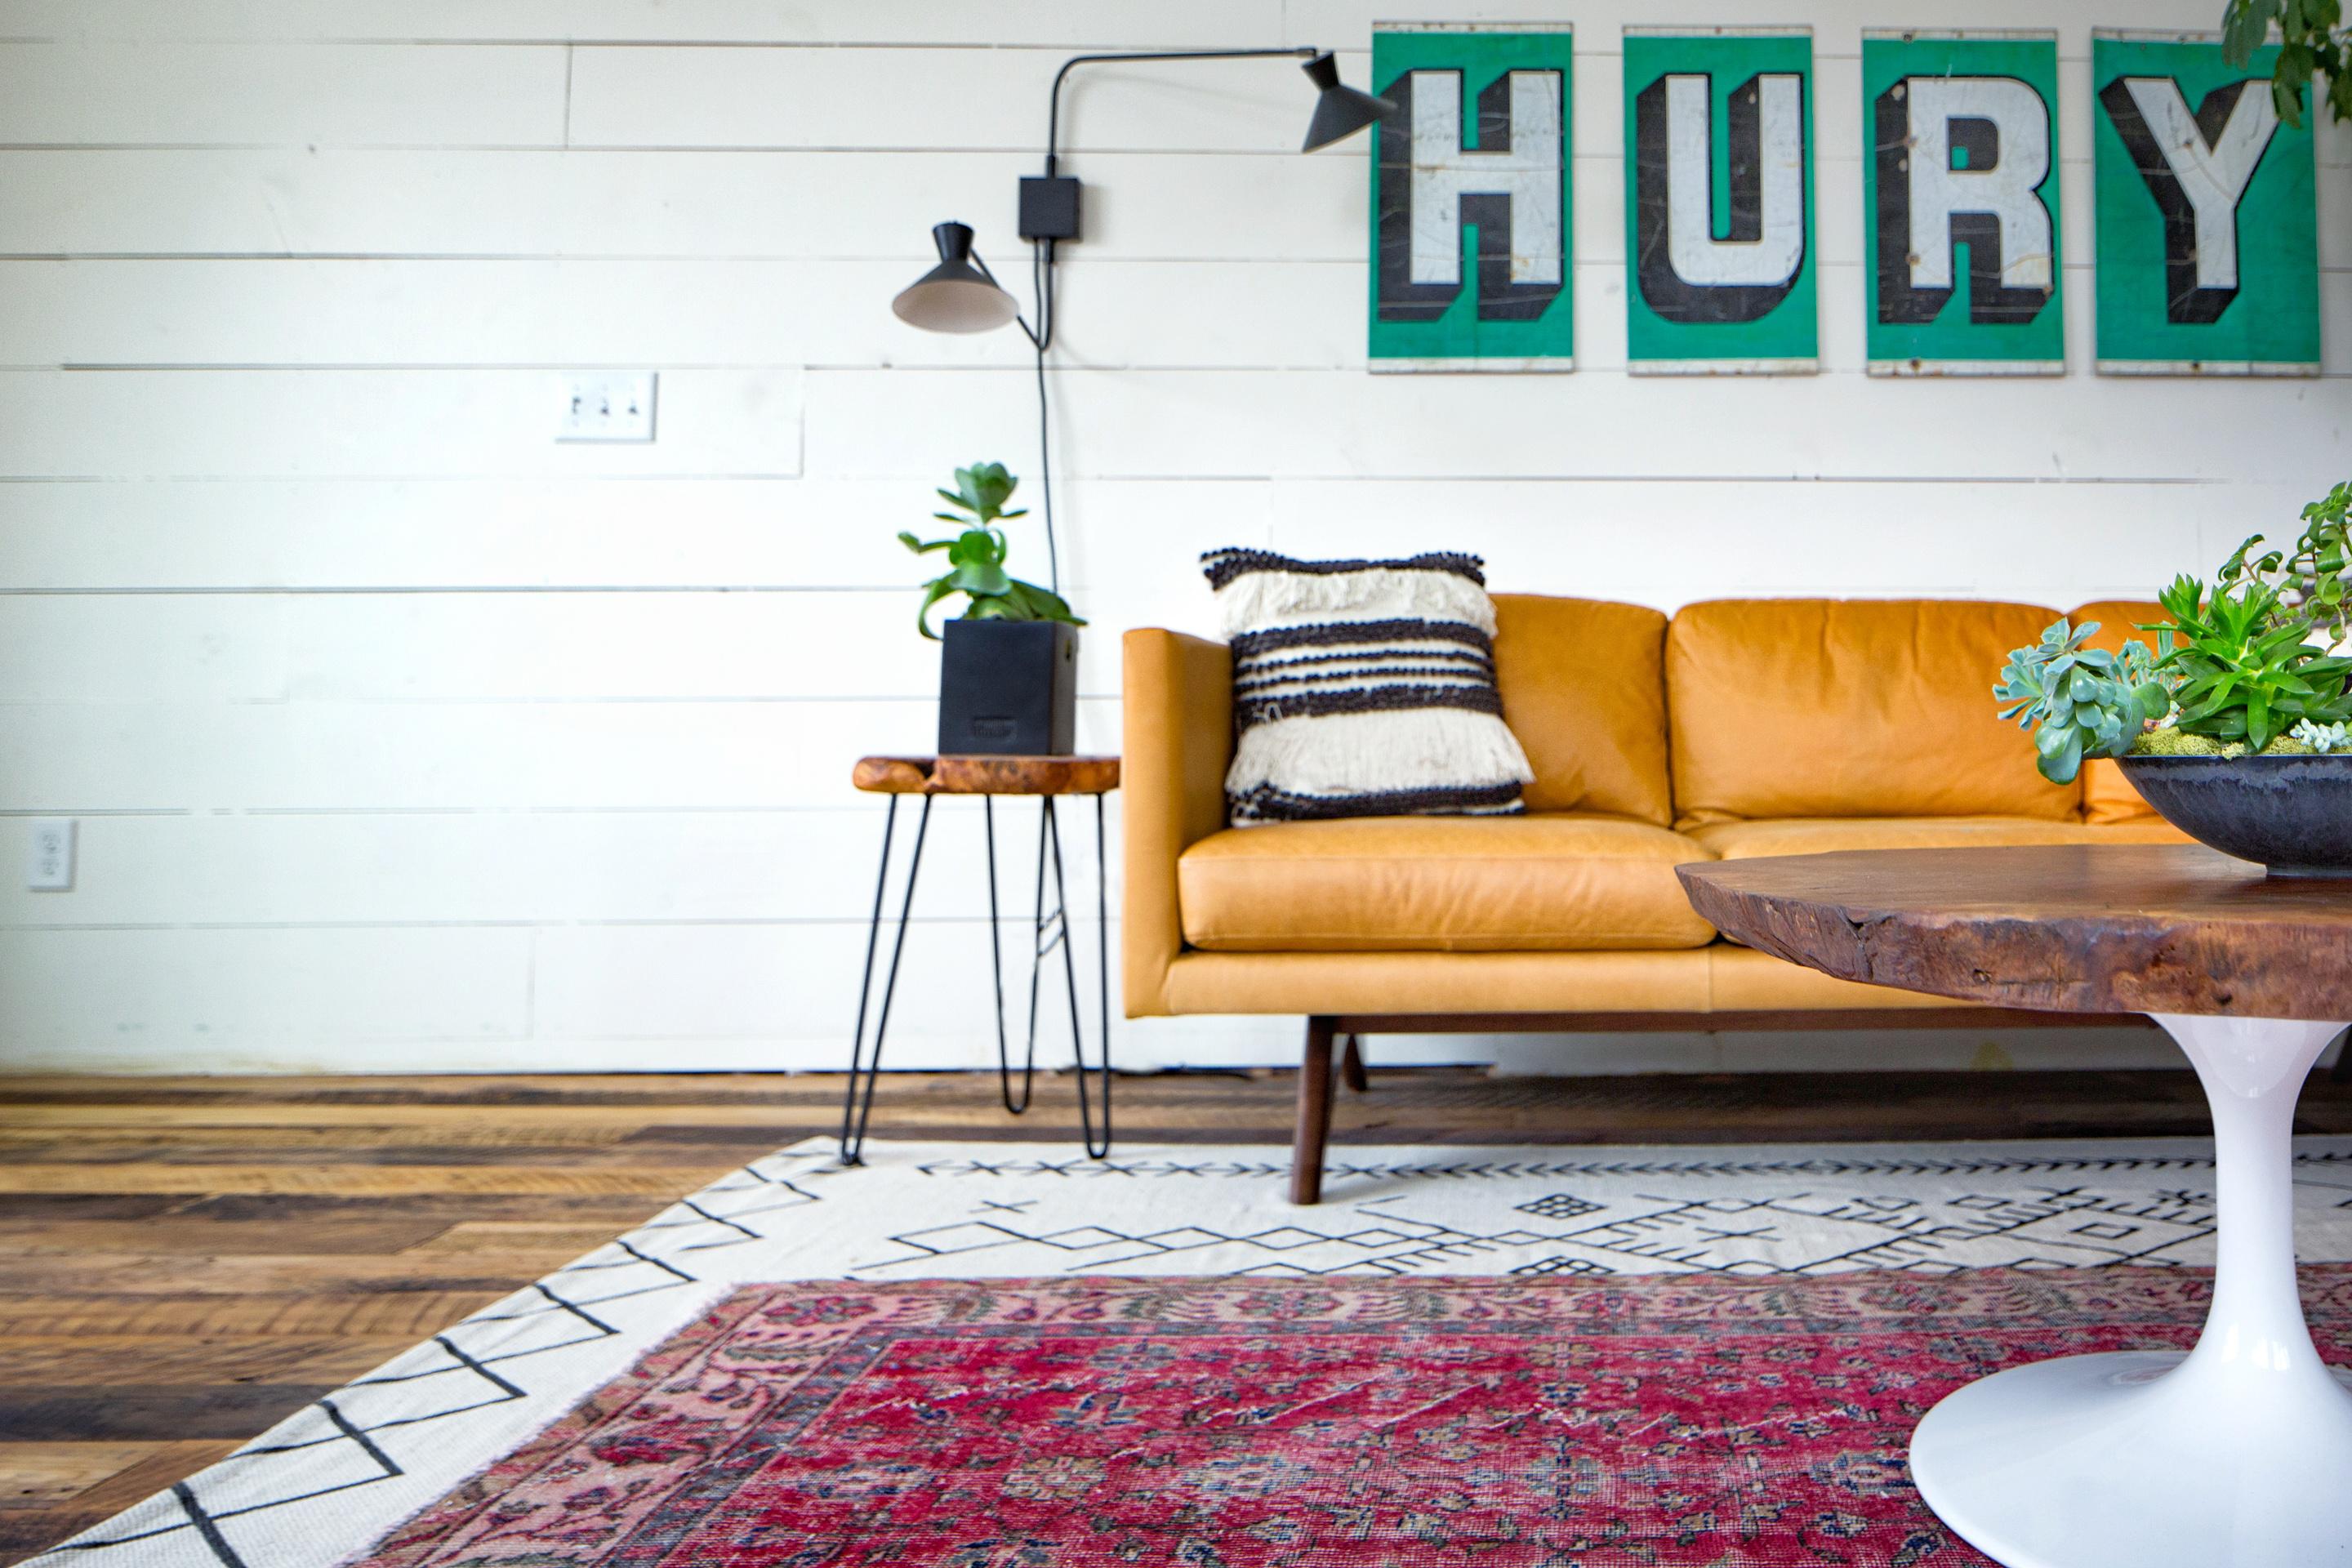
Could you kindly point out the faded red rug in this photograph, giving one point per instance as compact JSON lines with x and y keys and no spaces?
{"x":1224,"y":1422}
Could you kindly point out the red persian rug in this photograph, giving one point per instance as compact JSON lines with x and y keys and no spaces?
{"x":1222,"y":1423}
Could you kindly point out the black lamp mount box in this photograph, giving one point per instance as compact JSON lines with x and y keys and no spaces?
{"x":1049,"y":206}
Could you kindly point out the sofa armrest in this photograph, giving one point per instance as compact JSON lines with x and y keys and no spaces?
{"x":1179,"y":699}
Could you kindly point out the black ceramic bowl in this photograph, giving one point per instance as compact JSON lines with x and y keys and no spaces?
{"x":2293,"y":815}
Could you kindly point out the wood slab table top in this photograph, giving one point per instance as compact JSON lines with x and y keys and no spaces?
{"x":986,"y":775}
{"x":2110,"y":927}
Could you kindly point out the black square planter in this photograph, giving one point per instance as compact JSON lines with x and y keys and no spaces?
{"x":1009,"y":688}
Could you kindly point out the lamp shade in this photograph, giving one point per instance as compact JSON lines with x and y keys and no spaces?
{"x":955,"y":296}
{"x":1339,"y":109}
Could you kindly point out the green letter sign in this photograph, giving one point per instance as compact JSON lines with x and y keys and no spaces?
{"x":1470,"y":200}
{"x":1962,"y":133}
{"x":1719,"y":200}
{"x":2208,"y":255}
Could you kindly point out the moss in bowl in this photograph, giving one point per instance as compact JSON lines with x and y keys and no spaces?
{"x":2171,"y":741}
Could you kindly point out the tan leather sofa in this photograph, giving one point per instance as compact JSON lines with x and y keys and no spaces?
{"x":1736,"y":727}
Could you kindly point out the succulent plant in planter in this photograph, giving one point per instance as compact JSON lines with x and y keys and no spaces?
{"x":976,"y":555}
{"x":2238,"y":726}
{"x":1008,"y":673}
{"x":2249,"y":671}
{"x":2079,"y":701}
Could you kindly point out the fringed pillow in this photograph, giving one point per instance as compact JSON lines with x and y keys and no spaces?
{"x":1363,"y":689}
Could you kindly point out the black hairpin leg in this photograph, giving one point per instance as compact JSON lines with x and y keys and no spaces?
{"x":1102,"y":995}
{"x":1054,"y":931}
{"x":996,"y":973}
{"x":856,"y":1107}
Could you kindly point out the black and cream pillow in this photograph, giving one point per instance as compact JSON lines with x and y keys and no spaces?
{"x":1363,"y":689}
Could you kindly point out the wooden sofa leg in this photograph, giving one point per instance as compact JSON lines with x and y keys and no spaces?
{"x":1314,"y":1114}
{"x":1351,"y":1065}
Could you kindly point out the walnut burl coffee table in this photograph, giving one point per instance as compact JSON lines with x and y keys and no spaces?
{"x":2239,"y":1451}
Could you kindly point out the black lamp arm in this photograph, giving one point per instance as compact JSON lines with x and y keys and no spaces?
{"x":1044,"y":309}
{"x":1040,"y":254}
{"x":1054,"y":109}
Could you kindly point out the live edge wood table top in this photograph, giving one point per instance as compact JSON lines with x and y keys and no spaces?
{"x":2141,"y":928}
{"x":986,"y":775}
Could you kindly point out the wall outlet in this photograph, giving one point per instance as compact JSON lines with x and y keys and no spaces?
{"x":607,"y":406}
{"x":49,"y":864}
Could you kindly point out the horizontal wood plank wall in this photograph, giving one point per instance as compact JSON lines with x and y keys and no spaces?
{"x":401,"y":736}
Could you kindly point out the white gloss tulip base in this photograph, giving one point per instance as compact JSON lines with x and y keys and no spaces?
{"x":2237,"y":1454}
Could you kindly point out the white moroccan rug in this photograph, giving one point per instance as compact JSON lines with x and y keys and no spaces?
{"x":325,"y":1483}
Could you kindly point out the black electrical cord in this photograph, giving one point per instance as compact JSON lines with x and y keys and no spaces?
{"x":1041,"y":338}
{"x":1041,"y":283}
{"x":1040,"y":269}
{"x":1041,"y":264}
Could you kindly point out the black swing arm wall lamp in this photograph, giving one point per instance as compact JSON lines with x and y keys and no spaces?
{"x":961,"y":295}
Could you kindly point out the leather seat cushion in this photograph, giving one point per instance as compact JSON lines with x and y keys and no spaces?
{"x":1550,"y":881}
{"x":1823,"y":834}
{"x":1820,"y":835}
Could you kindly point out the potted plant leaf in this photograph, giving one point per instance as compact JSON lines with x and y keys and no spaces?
{"x":2237,"y":726}
{"x":1008,"y":672}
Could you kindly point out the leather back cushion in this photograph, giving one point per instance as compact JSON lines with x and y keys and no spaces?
{"x":1583,"y":689}
{"x":1850,"y":708}
{"x":2107,"y":796}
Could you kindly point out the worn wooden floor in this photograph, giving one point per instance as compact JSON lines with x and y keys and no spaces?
{"x":182,"y":1261}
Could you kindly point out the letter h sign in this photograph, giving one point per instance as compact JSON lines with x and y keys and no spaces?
{"x":1477,"y":162}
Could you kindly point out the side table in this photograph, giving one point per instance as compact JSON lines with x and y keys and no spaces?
{"x":1047,"y":778}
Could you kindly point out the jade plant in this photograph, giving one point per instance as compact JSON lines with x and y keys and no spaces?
{"x":976,"y":556}
{"x":2310,"y":578}
{"x":2246,"y":667}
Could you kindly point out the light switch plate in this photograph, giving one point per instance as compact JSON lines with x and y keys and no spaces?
{"x":49,"y":860}
{"x":607,"y":406}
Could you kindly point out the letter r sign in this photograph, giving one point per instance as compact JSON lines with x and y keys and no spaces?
{"x":1960,"y":192}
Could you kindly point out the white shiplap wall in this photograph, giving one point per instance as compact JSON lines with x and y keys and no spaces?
{"x":403,"y":737}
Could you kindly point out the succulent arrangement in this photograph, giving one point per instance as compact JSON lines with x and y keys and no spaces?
{"x":976,"y":556}
{"x":2246,"y":667}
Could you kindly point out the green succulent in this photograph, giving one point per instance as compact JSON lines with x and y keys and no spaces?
{"x":2246,"y":667}
{"x":2079,"y":701}
{"x":976,"y":556}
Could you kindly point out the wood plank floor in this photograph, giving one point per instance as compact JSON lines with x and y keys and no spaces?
{"x":184,"y":1261}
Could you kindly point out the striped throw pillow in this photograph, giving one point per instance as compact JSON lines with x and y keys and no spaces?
{"x":1363,"y":689}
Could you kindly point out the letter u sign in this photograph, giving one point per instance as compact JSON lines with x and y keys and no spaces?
{"x":1719,"y":200}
